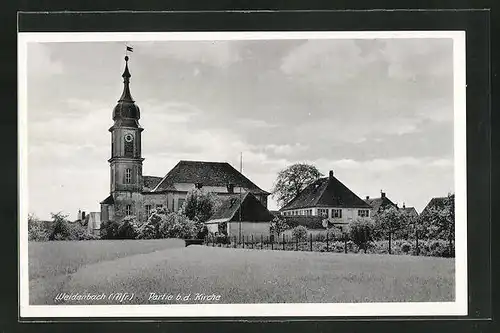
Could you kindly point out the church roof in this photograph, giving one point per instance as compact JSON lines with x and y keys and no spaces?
{"x":150,"y":182}
{"x":206,"y":174}
{"x":326,"y":192}
{"x":108,"y":201}
{"x":251,"y":208}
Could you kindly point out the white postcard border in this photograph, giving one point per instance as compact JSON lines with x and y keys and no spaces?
{"x":459,"y":307}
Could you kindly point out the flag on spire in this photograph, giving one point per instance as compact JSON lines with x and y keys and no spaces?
{"x":130,"y":49}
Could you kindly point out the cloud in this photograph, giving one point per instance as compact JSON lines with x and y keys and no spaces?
{"x":212,"y":53}
{"x":41,"y":63}
{"x":382,"y":165}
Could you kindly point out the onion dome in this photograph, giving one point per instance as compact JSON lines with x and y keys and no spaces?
{"x":126,"y":112}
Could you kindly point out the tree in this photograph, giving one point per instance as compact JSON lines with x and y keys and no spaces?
{"x":292,"y":180}
{"x":440,"y":221}
{"x":200,"y":205}
{"x":389,"y":221}
{"x":61,"y":229}
{"x":360,"y":231}
{"x":278,"y":225}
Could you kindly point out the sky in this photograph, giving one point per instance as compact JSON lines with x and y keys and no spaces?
{"x":378,"y":112}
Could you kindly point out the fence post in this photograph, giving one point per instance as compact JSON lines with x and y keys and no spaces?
{"x":252,"y":241}
{"x":345,"y":242}
{"x":296,"y":243}
{"x":243,"y":244}
{"x":390,"y":243}
{"x":272,"y":242}
{"x":327,"y":250}
{"x":417,"y":249}
{"x":283,"y":242}
{"x":261,"y":242}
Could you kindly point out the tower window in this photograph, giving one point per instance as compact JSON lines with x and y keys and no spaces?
{"x":129,"y":145}
{"x":148,"y":210}
{"x":128,"y":176}
{"x":128,"y":209}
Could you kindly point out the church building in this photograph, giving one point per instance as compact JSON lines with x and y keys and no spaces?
{"x":132,"y":193}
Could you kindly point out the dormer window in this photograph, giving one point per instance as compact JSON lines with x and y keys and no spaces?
{"x":198,"y":185}
{"x":230,"y":188}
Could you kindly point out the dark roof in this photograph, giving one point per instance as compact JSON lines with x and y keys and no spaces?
{"x":126,"y":112}
{"x":410,"y":210}
{"x":326,"y":192}
{"x":436,"y":202}
{"x":380,"y":203}
{"x":251,"y":210}
{"x":150,"y":182}
{"x":207,"y":173}
{"x":108,"y":201}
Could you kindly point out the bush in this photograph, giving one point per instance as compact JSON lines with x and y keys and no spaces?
{"x":361,"y":233}
{"x":299,"y":232}
{"x":127,"y":228}
{"x":64,"y":230}
{"x":162,"y":224}
{"x":37,"y":230}
{"x":406,"y":247}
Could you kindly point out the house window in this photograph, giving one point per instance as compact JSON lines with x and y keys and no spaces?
{"x":323,"y":212}
{"x":337,"y":213}
{"x":181,"y":203}
{"x":128,"y":209}
{"x":128,"y":176}
{"x":159,"y":206}
{"x":148,"y":210}
{"x":363,"y":212}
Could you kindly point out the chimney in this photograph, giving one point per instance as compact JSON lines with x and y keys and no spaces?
{"x":382,"y":194}
{"x":83,"y":216}
{"x":367,"y":197}
{"x":331,"y":174}
{"x":404,"y":205}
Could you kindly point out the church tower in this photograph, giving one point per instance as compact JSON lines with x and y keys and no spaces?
{"x":126,"y":161}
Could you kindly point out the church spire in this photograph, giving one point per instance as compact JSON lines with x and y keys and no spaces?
{"x":126,"y":96}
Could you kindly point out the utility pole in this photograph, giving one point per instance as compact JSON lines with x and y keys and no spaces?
{"x":241,"y":206}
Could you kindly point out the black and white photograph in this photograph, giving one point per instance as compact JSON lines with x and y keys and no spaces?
{"x":242,"y":174}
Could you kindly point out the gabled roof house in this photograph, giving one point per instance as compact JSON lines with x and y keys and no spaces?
{"x":330,"y":198}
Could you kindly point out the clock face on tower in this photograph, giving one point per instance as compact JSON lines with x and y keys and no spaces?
{"x":129,"y":138}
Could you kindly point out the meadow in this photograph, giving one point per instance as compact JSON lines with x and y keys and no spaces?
{"x":143,"y":267}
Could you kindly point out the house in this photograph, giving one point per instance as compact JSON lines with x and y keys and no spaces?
{"x":410,"y":211}
{"x":132,"y":193}
{"x":436,"y":202}
{"x":243,"y":215}
{"x":93,"y":222}
{"x":329,"y":198}
{"x":379,"y":204}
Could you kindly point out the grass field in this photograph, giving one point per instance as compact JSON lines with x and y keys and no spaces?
{"x":238,"y":275}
